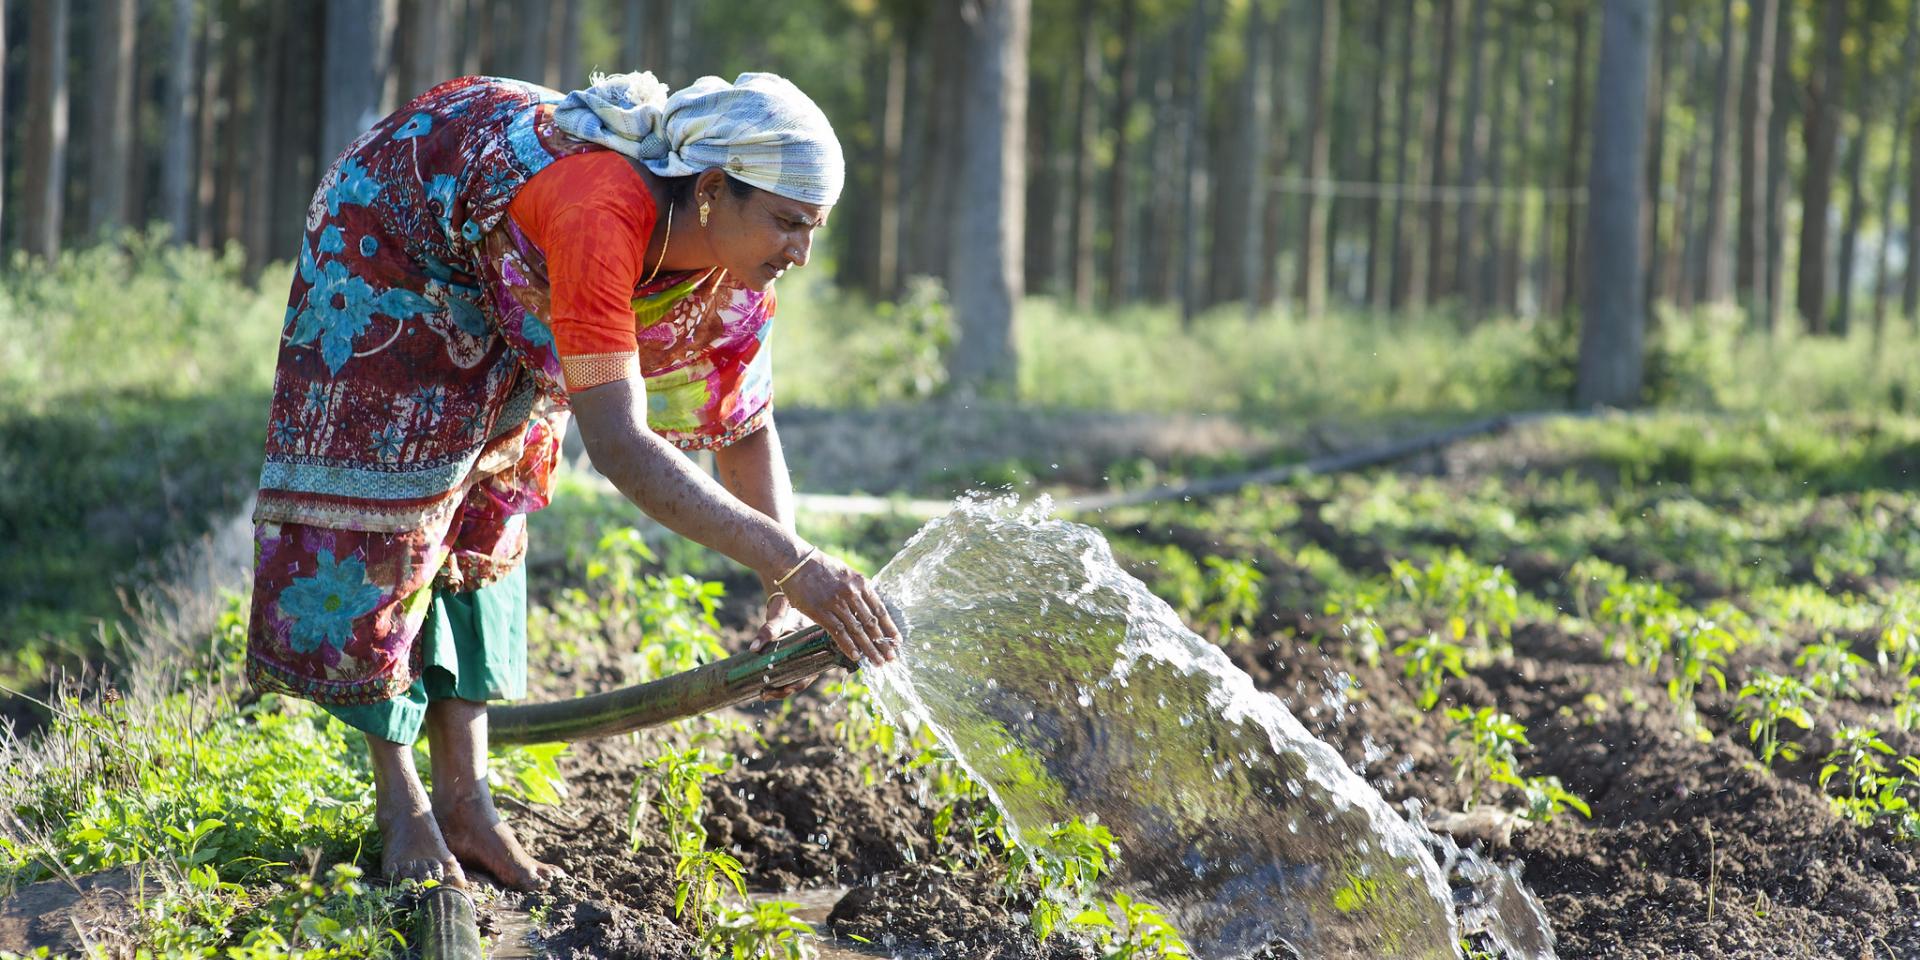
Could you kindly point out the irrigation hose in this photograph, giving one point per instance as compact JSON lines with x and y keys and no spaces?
{"x":446,"y":927}
{"x":797,"y":656}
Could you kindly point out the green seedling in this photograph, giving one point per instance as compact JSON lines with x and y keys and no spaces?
{"x":1472,"y":596}
{"x":1233,"y":597}
{"x":765,"y":931}
{"x":1484,"y":755}
{"x":675,"y":782}
{"x":530,"y":773}
{"x":1832,"y":668}
{"x":1768,"y":701}
{"x":1859,"y":760}
{"x":700,"y":879}
{"x":1128,"y":929}
{"x":1428,"y":661}
{"x":1066,"y":865}
{"x":1592,"y":578}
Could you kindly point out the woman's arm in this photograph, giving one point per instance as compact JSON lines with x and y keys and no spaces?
{"x":670,"y":489}
{"x":754,"y":469}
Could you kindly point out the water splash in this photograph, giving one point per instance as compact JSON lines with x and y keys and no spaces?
{"x":1068,"y":689}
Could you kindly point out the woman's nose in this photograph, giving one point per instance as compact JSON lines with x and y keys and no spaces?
{"x":798,"y":251}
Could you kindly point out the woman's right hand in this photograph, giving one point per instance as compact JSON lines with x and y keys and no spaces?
{"x":838,"y":598}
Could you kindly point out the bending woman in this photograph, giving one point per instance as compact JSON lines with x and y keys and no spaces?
{"x":482,"y":266}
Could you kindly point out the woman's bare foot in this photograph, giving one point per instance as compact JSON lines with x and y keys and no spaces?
{"x":476,"y":835}
{"x":416,"y":850}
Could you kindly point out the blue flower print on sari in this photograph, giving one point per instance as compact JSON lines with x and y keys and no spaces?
{"x":354,"y":185}
{"x":324,"y":606}
{"x":431,"y":401}
{"x":387,"y":442}
{"x":340,"y":306}
{"x":416,"y":125}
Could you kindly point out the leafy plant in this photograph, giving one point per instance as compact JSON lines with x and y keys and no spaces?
{"x":1233,"y":596}
{"x":1066,"y":865}
{"x":1473,"y":596}
{"x":700,"y":878}
{"x":675,"y":781}
{"x":767,"y":930}
{"x":1769,"y":700}
{"x":1129,"y":929}
{"x":1872,"y":792}
{"x":1832,"y":668}
{"x":1429,"y":660}
{"x":531,"y":773}
{"x":1484,"y":741}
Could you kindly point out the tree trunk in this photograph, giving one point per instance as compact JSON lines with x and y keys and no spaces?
{"x":1514,"y":258}
{"x":1042,"y":203}
{"x":1158,"y":251}
{"x":1776,"y":212}
{"x":1903,"y":113}
{"x":235,"y":74}
{"x":1273,"y":215}
{"x":176,"y":170}
{"x":533,"y":22}
{"x":1910,"y":292}
{"x":352,"y":73}
{"x":1570,"y":280}
{"x":565,"y":73}
{"x":206,"y":143}
{"x":1716,"y":273}
{"x":985,"y":269}
{"x":109,"y":159}
{"x":421,"y":49}
{"x":263,"y":97}
{"x":886,"y":268}
{"x":1120,"y":282}
{"x":1375,"y":295}
{"x":297,"y":142}
{"x":1402,"y":259}
{"x":1821,"y":133}
{"x":1659,"y":90}
{"x":1243,"y":183}
{"x":1756,"y":112}
{"x":1850,"y":232}
{"x":1439,"y":273}
{"x":1473,"y":144}
{"x":1485,"y":294}
{"x":43,"y":182}
{"x":1194,"y":176}
{"x":634,"y":20}
{"x":1313,"y":246}
{"x":1614,"y":322}
{"x":1085,"y":145}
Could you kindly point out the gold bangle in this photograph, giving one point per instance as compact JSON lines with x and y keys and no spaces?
{"x":777,"y":593}
{"x":796,"y":568}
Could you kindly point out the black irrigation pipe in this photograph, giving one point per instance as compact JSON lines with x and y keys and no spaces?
{"x":445,"y":918}
{"x":1333,"y":463}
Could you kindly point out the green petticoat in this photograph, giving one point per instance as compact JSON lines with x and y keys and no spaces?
{"x":475,"y":648}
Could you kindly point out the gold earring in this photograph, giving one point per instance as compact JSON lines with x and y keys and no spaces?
{"x":705,"y":208}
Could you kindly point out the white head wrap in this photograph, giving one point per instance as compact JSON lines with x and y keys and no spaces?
{"x":760,"y":128}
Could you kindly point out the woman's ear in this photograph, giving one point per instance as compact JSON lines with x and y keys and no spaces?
{"x":710,"y":186}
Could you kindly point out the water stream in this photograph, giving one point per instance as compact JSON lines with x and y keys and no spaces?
{"x":1068,"y":690}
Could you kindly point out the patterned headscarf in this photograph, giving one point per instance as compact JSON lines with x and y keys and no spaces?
{"x":760,"y":128}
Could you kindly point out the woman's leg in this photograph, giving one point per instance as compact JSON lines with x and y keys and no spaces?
{"x":462,"y":803}
{"x":415,"y":848}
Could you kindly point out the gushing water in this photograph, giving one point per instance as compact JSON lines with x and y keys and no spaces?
{"x":1068,"y":689}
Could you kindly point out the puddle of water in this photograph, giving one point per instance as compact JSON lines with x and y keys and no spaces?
{"x":1068,"y":690}
{"x":813,"y":906}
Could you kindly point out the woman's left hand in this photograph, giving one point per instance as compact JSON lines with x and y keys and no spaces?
{"x":782,"y":618}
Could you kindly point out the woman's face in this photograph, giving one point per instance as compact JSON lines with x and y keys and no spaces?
{"x":760,"y":236}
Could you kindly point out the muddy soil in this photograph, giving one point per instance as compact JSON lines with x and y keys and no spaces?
{"x":1694,"y":849}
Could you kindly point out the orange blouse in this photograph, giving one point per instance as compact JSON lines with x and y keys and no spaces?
{"x":592,"y":216}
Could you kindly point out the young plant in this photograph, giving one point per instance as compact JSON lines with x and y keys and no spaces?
{"x":764,"y":931}
{"x":1483,"y":755}
{"x":1483,"y":749}
{"x":1471,"y":595}
{"x":1233,"y":597}
{"x":1429,"y":660}
{"x":700,"y":879}
{"x":1066,"y":865}
{"x":1768,"y":701}
{"x":1858,"y":758}
{"x":678,"y":783}
{"x":1129,"y":929}
{"x":1832,"y":668}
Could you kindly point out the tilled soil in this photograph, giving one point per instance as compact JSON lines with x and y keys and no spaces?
{"x":1694,"y":848}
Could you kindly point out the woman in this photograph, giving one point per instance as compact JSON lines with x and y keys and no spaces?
{"x":485,"y":264}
